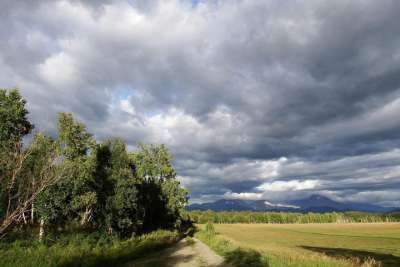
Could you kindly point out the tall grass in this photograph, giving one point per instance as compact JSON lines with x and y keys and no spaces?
{"x":80,"y":249}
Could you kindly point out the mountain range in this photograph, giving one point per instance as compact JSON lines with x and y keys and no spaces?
{"x":313,"y":203}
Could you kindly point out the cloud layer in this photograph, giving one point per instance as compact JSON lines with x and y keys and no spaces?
{"x":255,"y":98}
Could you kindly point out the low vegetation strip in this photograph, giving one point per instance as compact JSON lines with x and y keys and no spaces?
{"x":291,"y":217}
{"x":78,"y":250}
{"x":279,"y":246}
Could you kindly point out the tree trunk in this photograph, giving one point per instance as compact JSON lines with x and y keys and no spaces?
{"x":86,"y":216}
{"x":23,"y":217}
{"x":110,"y":231}
{"x":32,"y":214}
{"x":41,"y":230}
{"x":33,"y":208}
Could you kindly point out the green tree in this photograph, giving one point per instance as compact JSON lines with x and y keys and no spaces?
{"x":121,"y":212}
{"x":153,"y":162}
{"x":37,"y":162}
{"x":176,"y":201}
{"x":73,"y":138}
{"x":14,"y":125}
{"x":162,"y":197}
{"x":74,"y":196}
{"x":42,"y":149}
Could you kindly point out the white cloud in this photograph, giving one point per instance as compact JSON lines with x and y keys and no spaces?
{"x":126,"y":106}
{"x":59,"y":70}
{"x":247,"y":196}
{"x":294,"y":185}
{"x":243,"y":92}
{"x":281,"y":205}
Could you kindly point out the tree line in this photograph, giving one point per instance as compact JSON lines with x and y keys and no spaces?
{"x":52,"y":181}
{"x":289,"y":217}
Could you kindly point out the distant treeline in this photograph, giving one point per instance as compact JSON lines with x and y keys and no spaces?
{"x":291,"y":217}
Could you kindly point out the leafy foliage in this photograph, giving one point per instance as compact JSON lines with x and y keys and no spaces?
{"x":14,"y":125}
{"x":13,"y":116}
{"x":73,"y":138}
{"x":153,"y":163}
{"x":25,"y":170}
{"x":97,"y":185}
{"x":153,"y":166}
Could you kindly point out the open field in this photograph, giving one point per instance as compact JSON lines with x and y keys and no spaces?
{"x":318,"y":242}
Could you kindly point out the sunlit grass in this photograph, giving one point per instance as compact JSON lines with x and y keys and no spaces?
{"x":318,"y":244}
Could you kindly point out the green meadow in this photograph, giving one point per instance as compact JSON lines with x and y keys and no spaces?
{"x":302,"y":245}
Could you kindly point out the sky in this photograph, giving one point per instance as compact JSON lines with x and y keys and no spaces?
{"x":256,"y":99}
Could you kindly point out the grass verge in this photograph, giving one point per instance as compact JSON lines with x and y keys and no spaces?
{"x":78,"y":250}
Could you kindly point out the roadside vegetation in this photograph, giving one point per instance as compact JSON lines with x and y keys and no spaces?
{"x":78,"y":249}
{"x":234,"y":255}
{"x":68,"y":199}
{"x":328,"y":245}
{"x":203,"y":217}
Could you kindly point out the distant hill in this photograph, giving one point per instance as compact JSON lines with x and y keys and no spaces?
{"x":313,"y":203}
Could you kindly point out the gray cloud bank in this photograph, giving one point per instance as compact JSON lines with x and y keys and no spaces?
{"x":256,"y":99}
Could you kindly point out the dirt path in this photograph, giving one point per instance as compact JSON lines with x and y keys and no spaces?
{"x":184,"y":254}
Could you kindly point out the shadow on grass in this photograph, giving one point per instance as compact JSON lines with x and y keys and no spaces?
{"x":385,"y":259}
{"x":161,"y":258}
{"x":179,"y":255}
{"x":118,"y":257}
{"x":152,"y":254}
{"x":245,"y":258}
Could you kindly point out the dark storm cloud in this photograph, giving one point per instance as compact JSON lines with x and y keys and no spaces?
{"x":241,"y":91}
